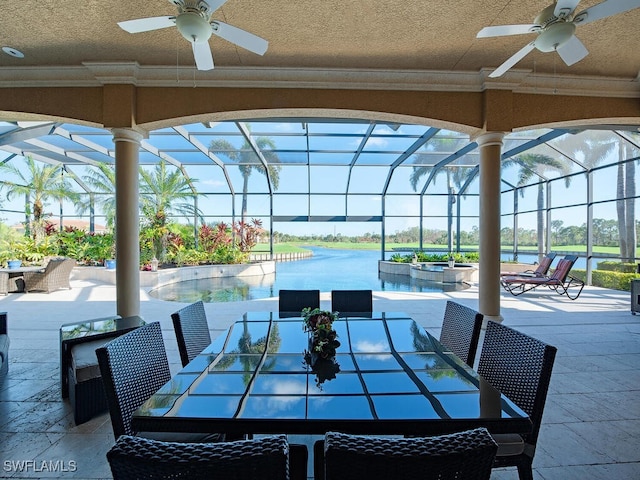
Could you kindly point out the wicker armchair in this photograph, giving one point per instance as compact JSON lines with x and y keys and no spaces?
{"x":352,"y":302}
{"x":291,"y":302}
{"x":54,"y":276}
{"x":192,"y":331}
{"x":467,"y":455}
{"x":461,"y":331}
{"x":4,"y":283}
{"x":140,"y":458}
{"x":520,"y":367}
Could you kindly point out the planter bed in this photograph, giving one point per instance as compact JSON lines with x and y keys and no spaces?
{"x":167,"y":276}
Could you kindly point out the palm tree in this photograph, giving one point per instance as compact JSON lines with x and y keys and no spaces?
{"x":162,"y":193}
{"x":38,"y":184}
{"x":103,"y":181}
{"x":247,"y":161}
{"x":456,"y":177}
{"x":533,"y":165}
{"x":595,"y":150}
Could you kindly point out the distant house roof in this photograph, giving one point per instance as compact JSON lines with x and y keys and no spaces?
{"x":79,"y":224}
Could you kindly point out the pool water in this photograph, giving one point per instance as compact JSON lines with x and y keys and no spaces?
{"x":327,"y":270}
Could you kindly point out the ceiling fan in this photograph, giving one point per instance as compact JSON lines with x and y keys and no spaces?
{"x":555,"y":27}
{"x":194,"y":23}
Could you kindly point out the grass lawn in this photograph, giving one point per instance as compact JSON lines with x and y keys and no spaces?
{"x":299,"y":247}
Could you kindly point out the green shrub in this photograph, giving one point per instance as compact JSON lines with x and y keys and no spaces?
{"x":607,"y":279}
{"x":467,"y":257}
{"x":618,"y":267}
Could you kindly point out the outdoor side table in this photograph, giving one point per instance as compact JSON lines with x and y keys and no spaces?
{"x":80,"y":378}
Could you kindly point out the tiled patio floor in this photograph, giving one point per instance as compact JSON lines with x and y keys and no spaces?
{"x":591,"y":427}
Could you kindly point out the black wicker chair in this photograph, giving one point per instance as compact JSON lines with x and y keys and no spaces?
{"x":133,"y":367}
{"x":4,"y":347}
{"x":467,"y":455}
{"x":192,"y":331}
{"x":291,"y":302}
{"x":352,"y":302}
{"x":138,"y":458}
{"x":461,"y":331}
{"x":520,"y":367}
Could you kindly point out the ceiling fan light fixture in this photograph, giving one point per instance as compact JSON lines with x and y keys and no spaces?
{"x":193,"y":27}
{"x":554,"y":36}
{"x":13,"y":52}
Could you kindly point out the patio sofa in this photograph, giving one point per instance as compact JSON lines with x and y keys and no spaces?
{"x":4,"y":346}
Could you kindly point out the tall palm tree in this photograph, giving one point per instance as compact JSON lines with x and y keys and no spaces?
{"x":103,"y":180}
{"x":164,"y":192}
{"x":247,"y":161}
{"x":455,"y":178}
{"x":38,"y":183}
{"x":531,"y":166}
{"x":594,"y":150}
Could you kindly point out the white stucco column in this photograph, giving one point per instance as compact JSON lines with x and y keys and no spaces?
{"x":127,"y":143}
{"x":490,"y":145}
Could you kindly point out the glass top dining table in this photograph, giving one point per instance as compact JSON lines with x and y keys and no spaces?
{"x":390,"y":376}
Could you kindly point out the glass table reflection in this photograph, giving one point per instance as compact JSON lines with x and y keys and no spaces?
{"x":394,"y":378}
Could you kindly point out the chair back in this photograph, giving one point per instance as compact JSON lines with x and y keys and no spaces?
{"x":563,"y":267}
{"x":133,"y":367}
{"x":467,"y":455}
{"x":291,"y":302}
{"x":520,"y":367}
{"x":192,"y":331}
{"x":142,"y":458}
{"x":545,"y":264}
{"x":352,"y":302}
{"x":461,"y":331}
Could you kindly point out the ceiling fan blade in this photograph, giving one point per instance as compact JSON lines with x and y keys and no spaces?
{"x":515,"y":58}
{"x":240,"y":37}
{"x":503,"y":30}
{"x":564,"y":8}
{"x":147,"y":24}
{"x":605,"y":9}
{"x":572,"y":51}
{"x":202,"y":55}
{"x":215,"y":4}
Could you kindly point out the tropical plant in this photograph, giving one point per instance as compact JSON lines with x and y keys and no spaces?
{"x":248,"y":161}
{"x":163,"y":192}
{"x":534,"y":166}
{"x":102,"y":180}
{"x":38,"y":183}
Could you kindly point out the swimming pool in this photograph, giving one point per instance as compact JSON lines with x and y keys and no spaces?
{"x":327,"y":270}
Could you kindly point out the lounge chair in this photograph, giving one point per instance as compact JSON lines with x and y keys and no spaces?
{"x":541,"y":271}
{"x":560,"y":281}
{"x":52,"y":277}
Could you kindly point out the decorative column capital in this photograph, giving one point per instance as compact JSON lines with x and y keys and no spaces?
{"x":487,"y":139}
{"x":128,"y":135}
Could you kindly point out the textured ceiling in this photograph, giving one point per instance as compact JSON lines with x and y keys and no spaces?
{"x":364,"y":34}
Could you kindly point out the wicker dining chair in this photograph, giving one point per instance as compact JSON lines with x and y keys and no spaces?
{"x":352,"y":302}
{"x":291,"y":302}
{"x":192,"y":331}
{"x":133,"y":367}
{"x":136,"y":458}
{"x":461,"y":331}
{"x":467,"y":455}
{"x":520,"y":367}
